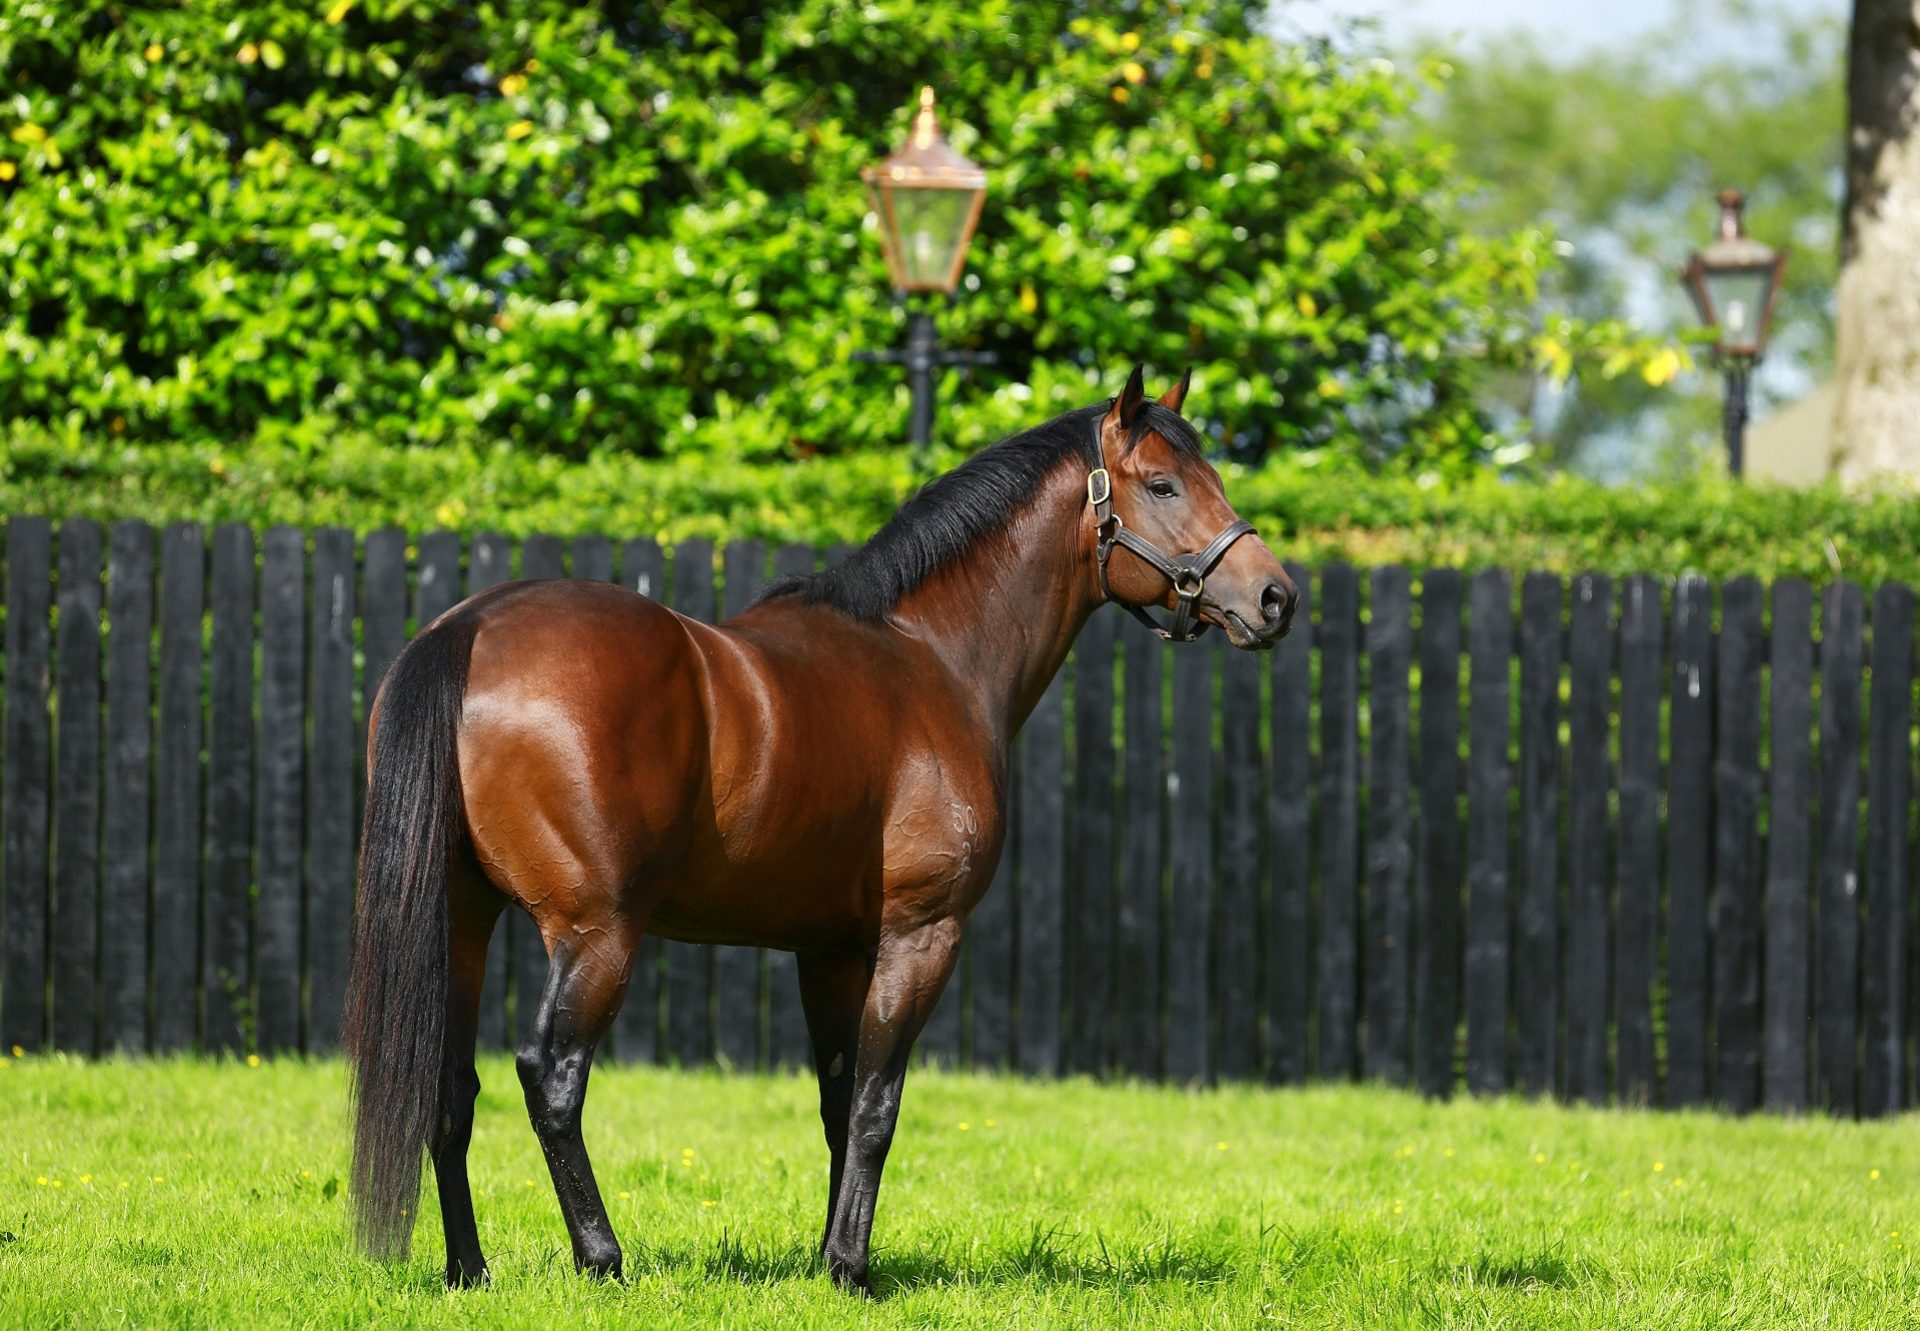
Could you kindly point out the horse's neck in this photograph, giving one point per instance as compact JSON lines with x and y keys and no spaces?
{"x":1003,"y":619}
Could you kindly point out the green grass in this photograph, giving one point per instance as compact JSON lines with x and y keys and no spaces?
{"x":201,"y":1194}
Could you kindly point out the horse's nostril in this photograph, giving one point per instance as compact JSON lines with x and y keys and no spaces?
{"x":1274,"y":602}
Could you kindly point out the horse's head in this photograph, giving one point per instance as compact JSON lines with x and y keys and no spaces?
{"x":1168,"y":536}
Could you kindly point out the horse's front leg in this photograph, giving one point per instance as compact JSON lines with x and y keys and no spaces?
{"x":909,"y":972}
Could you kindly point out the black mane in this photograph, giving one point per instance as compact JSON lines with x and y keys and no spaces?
{"x":951,"y":514}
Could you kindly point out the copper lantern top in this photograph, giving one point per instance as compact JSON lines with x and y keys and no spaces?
{"x":1734,"y":283}
{"x":928,"y":197}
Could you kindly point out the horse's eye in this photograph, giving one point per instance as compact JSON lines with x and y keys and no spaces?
{"x":1161,"y":489}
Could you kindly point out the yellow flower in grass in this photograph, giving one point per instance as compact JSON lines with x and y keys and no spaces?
{"x":247,"y":54}
{"x":1539,"y":1157}
{"x":253,"y":1060}
{"x":1121,"y":94}
{"x":154,"y":53}
{"x":1134,"y":72}
{"x":1659,"y":1165}
{"x":519,"y":129}
{"x":965,"y":1126}
{"x":6,"y":173}
{"x":1873,"y":1173}
{"x":513,"y":85}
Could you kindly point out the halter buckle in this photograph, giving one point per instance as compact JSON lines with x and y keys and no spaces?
{"x":1104,"y":484}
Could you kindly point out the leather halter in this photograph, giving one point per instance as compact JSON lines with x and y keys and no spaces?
{"x":1187,"y":573}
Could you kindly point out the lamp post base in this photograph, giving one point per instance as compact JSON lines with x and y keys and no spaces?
{"x":922,"y":354}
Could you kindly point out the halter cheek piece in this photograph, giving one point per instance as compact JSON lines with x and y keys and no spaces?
{"x":1187,"y":573}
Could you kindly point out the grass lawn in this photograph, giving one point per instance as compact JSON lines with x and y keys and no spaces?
{"x":198,"y":1194}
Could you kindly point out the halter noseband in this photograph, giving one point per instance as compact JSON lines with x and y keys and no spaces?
{"x":1187,"y":573}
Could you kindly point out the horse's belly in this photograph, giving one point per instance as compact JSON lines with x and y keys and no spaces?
{"x":799,"y":898}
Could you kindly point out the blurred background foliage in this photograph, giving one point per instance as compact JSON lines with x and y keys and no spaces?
{"x":637,"y":227}
{"x":574,"y":269}
{"x":1620,"y":150}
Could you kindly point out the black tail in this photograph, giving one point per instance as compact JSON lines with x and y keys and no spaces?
{"x":396,"y":1012}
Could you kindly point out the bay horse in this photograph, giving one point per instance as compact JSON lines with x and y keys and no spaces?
{"x":825,"y":773}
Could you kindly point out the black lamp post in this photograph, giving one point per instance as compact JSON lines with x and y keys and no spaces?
{"x":1734,"y":283}
{"x":928,"y":198}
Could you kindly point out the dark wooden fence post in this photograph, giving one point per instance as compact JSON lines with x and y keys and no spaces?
{"x":332,"y":767}
{"x":1689,"y":857}
{"x":1736,"y":845}
{"x":1189,"y":920}
{"x":1289,"y":934}
{"x":1489,"y":905}
{"x":1041,"y":880}
{"x":1537,"y":943}
{"x":1137,"y":934}
{"x":1091,"y":880}
{"x":1437,"y":926}
{"x":1389,"y":834}
{"x":177,"y":935}
{"x":1789,"y":960}
{"x":1889,"y":788}
{"x":1589,"y":783}
{"x":75,"y":913}
{"x":128,"y":826}
{"x":1637,"y":938}
{"x":23,"y":798}
{"x":278,"y":803}
{"x":1837,"y":980}
{"x":226,"y":977}
{"x":1236,"y":925}
{"x":1338,"y":957}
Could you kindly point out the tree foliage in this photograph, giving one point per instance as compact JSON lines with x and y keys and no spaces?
{"x":1621,"y":151}
{"x":637,"y":226}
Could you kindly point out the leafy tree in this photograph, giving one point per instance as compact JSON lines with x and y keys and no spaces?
{"x":1621,"y":151}
{"x":637,"y":225}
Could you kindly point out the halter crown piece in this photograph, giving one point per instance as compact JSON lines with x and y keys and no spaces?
{"x":1187,"y":573}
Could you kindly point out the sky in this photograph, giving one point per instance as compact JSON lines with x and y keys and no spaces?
{"x":1581,"y":27}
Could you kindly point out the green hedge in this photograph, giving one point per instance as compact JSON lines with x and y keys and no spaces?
{"x":640,"y":225}
{"x":1309,"y":508}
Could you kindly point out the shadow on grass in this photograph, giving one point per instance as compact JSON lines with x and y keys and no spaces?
{"x":1041,"y":1257}
{"x":1544,"y":1269}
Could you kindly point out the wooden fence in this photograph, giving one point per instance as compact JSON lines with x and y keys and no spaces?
{"x":1605,"y":840}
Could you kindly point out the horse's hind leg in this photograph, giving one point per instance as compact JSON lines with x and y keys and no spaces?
{"x":473,"y":907}
{"x":585,"y":983}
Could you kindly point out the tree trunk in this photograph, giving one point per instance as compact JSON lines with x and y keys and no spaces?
{"x":1877,"y":418}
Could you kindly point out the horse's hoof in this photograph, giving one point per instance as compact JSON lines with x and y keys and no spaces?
{"x":601,"y":1266}
{"x":460,"y":1277}
{"x":849,"y":1277}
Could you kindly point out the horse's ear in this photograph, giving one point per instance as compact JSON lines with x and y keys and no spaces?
{"x":1127,"y":405}
{"x":1176,"y":395}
